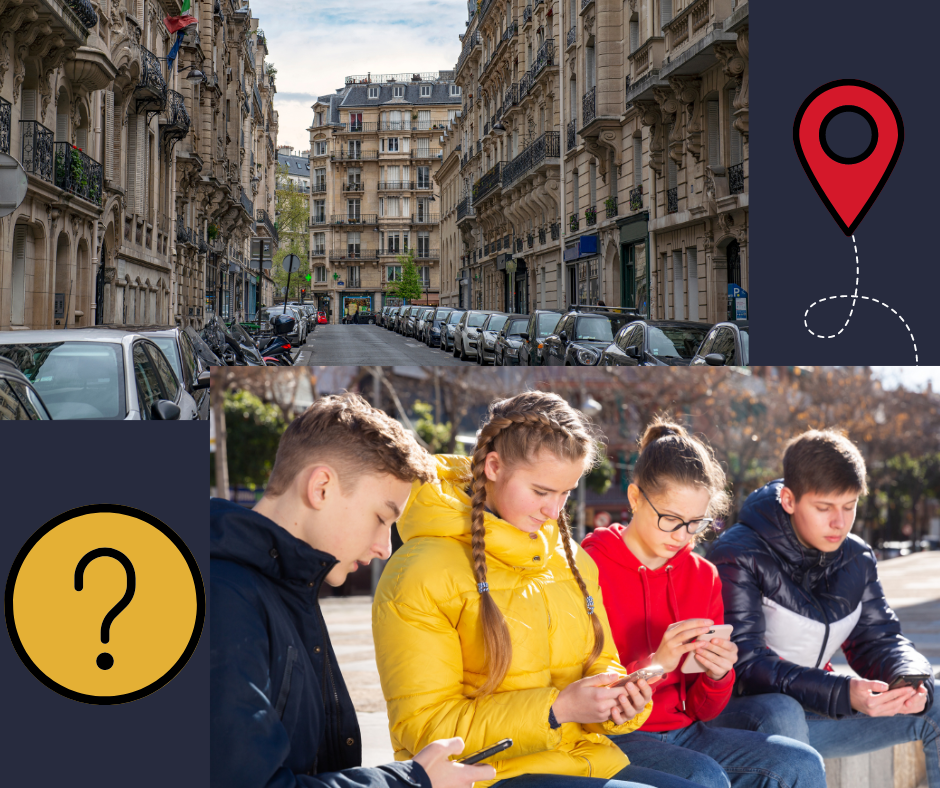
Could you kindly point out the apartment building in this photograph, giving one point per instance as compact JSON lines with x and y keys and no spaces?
{"x":375,"y":146}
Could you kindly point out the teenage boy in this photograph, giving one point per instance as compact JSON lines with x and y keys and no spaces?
{"x":280,"y":711}
{"x":797,"y":586}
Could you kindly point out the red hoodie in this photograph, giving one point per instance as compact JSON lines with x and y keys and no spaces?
{"x":641,"y":603}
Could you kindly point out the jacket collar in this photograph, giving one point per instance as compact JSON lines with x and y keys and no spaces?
{"x":245,"y":537}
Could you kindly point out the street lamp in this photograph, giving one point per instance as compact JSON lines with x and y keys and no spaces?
{"x":511,"y":266}
{"x":590,"y":407}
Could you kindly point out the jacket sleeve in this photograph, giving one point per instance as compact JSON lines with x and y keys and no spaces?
{"x":608,"y":661}
{"x":876,"y":649}
{"x":707,"y":698}
{"x":760,"y":670}
{"x":248,"y":744}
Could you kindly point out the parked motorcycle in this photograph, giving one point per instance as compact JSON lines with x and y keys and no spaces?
{"x":233,"y":345}
{"x":277,"y":351}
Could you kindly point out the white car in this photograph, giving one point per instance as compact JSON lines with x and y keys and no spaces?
{"x":98,"y":373}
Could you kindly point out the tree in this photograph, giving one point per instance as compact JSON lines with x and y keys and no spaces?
{"x":292,"y":210}
{"x":409,"y":286}
{"x":254,"y":429}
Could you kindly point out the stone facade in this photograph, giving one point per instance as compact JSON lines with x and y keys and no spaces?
{"x":375,"y":147}
{"x":127,"y":163}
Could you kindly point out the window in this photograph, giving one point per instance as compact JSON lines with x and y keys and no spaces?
{"x":634,"y":35}
{"x":319,"y":273}
{"x":424,"y":244}
{"x":393,"y":144}
{"x":373,"y":93}
{"x":666,"y":9}
{"x":735,"y":147}
{"x":425,"y":90}
{"x":319,"y":148}
{"x":394,"y":246}
{"x":455,"y":90}
{"x":399,"y":92}
{"x":424,"y":119}
{"x":355,"y":121}
{"x":354,"y":149}
{"x":394,"y":273}
{"x":319,"y":179}
{"x":678,"y":285}
{"x":714,"y":137}
{"x":692,"y":265}
{"x":424,"y":273}
{"x":319,"y":243}
{"x":165,"y":371}
{"x":637,"y":161}
{"x":424,"y":177}
{"x":319,"y":211}
{"x":452,"y":115}
{"x":149,"y":389}
{"x":352,"y":210}
{"x":352,"y":276}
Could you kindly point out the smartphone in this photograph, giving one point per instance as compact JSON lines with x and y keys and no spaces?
{"x":652,"y":674}
{"x":482,"y":755}
{"x":722,"y":631}
{"x":911,"y":680}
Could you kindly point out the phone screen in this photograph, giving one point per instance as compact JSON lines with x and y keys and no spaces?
{"x":505,"y":744}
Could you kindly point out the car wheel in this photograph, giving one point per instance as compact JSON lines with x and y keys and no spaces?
{"x":463,"y":352}
{"x":498,"y":361}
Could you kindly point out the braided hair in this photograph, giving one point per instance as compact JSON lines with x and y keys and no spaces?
{"x":518,"y":429}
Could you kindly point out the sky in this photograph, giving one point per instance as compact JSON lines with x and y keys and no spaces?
{"x":315,"y":45}
{"x":915,"y":378}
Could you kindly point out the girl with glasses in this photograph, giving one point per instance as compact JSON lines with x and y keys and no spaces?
{"x":663,"y":601}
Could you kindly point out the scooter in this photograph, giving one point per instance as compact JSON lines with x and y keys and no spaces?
{"x":277,"y":352}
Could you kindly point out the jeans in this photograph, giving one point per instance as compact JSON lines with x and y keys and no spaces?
{"x":630,"y":777}
{"x":719,"y":758}
{"x":780,"y":714}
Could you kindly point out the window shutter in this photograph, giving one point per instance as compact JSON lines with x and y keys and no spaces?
{"x":141,"y":161}
{"x":406,"y":144}
{"x":666,"y":12}
{"x":130,"y":171}
{"x":81,"y":139}
{"x":140,"y":11}
{"x":634,"y":36}
{"x":692,"y":263}
{"x":381,"y":206}
{"x":678,"y":284}
{"x":637,"y":161}
{"x":18,"y":316}
{"x":734,"y":137}
{"x":714,"y":139}
{"x":406,"y":206}
{"x":29,"y":105}
{"x":61,"y":127}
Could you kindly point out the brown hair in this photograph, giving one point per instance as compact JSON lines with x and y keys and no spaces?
{"x":823,"y":461}
{"x":347,"y":432}
{"x":517,"y":429}
{"x":670,"y":455}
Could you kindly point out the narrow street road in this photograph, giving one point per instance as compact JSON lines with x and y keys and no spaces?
{"x":352,"y":344}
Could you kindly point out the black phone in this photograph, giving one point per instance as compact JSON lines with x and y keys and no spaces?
{"x":505,"y":744}
{"x":910,"y":680}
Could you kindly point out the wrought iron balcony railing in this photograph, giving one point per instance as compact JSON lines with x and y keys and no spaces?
{"x":426,"y":153}
{"x":585,"y":3}
{"x":84,"y":11}
{"x":527,"y":15}
{"x":587,"y":108}
{"x":318,"y":187}
{"x":354,"y":254}
{"x":572,"y":136}
{"x":341,"y":155}
{"x":184,"y":234}
{"x":611,"y":204}
{"x":736,"y":178}
{"x":151,"y":89}
{"x":672,"y":200}
{"x":590,"y":216}
{"x":572,"y":35}
{"x":265,"y":221}
{"x":636,"y":198}
{"x":488,"y":183}
{"x":247,"y":204}
{"x":428,"y":254}
{"x":525,"y":84}
{"x":37,"y":149}
{"x":365,"y":218}
{"x":427,"y":218}
{"x":5,"y":117}
{"x":350,"y":187}
{"x":396,"y":185}
{"x":546,"y":146}
{"x":530,"y":240}
{"x":472,"y":41}
{"x":512,"y":96}
{"x":464,"y":209}
{"x":544,"y":58}
{"x":360,"y":126}
{"x":77,"y":173}
{"x":176,"y":122}
{"x":555,"y":229}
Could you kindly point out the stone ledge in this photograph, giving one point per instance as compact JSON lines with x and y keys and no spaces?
{"x":901,"y":766}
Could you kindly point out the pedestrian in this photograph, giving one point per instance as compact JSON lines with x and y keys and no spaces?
{"x":663,"y":601}
{"x":280,"y":713}
{"x":488,"y":621}
{"x":797,"y":586}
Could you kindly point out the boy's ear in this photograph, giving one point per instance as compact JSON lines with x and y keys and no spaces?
{"x":787,"y":500}
{"x":318,"y":484}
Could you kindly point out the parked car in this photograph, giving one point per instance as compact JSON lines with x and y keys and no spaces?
{"x":420,"y":320}
{"x":402,"y":319}
{"x":321,"y":317}
{"x":581,"y":336}
{"x":434,"y":324}
{"x":467,"y":332}
{"x":190,"y":358}
{"x":297,"y":337}
{"x":541,"y":324}
{"x":509,"y":342}
{"x":411,"y":318}
{"x":85,"y":373}
{"x":19,"y":401}
{"x":382,"y":316}
{"x":727,"y":344}
{"x":302,"y":309}
{"x":447,"y":329}
{"x":655,"y":343}
{"x":486,"y":345}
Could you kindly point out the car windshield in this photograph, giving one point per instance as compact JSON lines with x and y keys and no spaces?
{"x":441,"y":317}
{"x":168,"y":346}
{"x":454,"y":318}
{"x":274,"y":311}
{"x":477,"y":319}
{"x":675,"y":342}
{"x":76,"y":380}
{"x":594,"y":328}
{"x":517,"y":326}
{"x":547,"y":323}
{"x":496,"y":322}
{"x":745,"y":346}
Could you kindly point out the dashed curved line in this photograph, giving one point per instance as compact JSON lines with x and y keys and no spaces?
{"x":855,"y":297}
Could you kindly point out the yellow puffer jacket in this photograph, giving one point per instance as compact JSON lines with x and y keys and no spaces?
{"x":429,"y":640}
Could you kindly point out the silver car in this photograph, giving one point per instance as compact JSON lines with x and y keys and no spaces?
{"x":190,"y":358}
{"x":99,"y":374}
{"x":467,"y":333}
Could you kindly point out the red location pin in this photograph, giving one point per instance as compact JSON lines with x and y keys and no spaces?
{"x":848,"y":185}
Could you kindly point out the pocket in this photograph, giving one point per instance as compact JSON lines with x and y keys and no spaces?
{"x":284,"y":692}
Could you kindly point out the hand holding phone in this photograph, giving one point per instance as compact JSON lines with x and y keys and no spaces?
{"x":915,"y":680}
{"x":482,"y":755}
{"x":719,"y":631}
{"x":651,"y":675}
{"x":445,"y":773}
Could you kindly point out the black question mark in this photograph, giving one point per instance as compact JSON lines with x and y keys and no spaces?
{"x":105,"y":661}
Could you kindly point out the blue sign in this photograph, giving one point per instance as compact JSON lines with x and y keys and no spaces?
{"x":586,"y":246}
{"x":736,"y":291}
{"x":341,"y":284}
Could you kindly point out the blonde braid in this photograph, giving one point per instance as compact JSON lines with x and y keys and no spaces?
{"x":595,"y":619}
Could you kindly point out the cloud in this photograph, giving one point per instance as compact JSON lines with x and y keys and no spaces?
{"x":315,"y":46}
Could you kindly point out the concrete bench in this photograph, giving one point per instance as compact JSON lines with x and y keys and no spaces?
{"x":901,"y":766}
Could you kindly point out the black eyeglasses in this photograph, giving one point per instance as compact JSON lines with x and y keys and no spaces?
{"x":673,"y":523}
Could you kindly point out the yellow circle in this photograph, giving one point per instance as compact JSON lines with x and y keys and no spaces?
{"x":60,"y":628}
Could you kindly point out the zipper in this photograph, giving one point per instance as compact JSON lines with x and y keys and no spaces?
{"x":826,"y":634}
{"x":329,"y":675}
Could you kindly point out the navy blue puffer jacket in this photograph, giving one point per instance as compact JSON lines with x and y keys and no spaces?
{"x":280,"y":714}
{"x":793,"y":607}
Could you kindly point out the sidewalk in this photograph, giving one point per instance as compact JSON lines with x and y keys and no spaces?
{"x":911,"y":584}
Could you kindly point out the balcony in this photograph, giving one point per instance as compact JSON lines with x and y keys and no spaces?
{"x":151,"y":90}
{"x":353,"y":128}
{"x":525,"y":84}
{"x":545,"y":147}
{"x":544,"y":58}
{"x":636,"y":198}
{"x":590,"y":216}
{"x":465,"y":210}
{"x":357,"y":155}
{"x":175,"y":125}
{"x":385,"y":186}
{"x":318,"y":251}
{"x":588,"y":112}
{"x":352,"y":187}
{"x":572,"y":136}
{"x":488,"y":184}
{"x":422,"y":185}
{"x":541,"y":235}
{"x":5,"y":113}
{"x":672,"y":200}
{"x":247,"y":204}
{"x":202,"y":245}
{"x":530,"y":240}
{"x":184,"y":234}
{"x":426,"y":153}
{"x":428,"y":254}
{"x":354,"y":254}
{"x":574,"y":222}
{"x":318,"y":187}
{"x":472,"y":41}
{"x":512,"y":97}
{"x":346,"y":219}
{"x":317,"y":221}
{"x":427,"y":218}
{"x":527,"y":15}
{"x":555,"y":229}
{"x":37,"y":156}
{"x":611,"y":205}
{"x":265,"y":221}
{"x":572,"y":36}
{"x":736,"y":178}
{"x":585,"y":4}
{"x":77,"y":173}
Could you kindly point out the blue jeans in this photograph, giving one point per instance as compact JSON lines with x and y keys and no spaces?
{"x":780,"y":714}
{"x":719,"y":758}
{"x":631,"y":777}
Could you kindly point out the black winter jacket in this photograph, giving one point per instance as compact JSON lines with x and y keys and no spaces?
{"x":792,"y":607}
{"x":280,"y":714}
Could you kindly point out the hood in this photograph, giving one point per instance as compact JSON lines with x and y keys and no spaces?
{"x":609,"y":543}
{"x":245,"y":537}
{"x":442,"y":509}
{"x":764,"y":514}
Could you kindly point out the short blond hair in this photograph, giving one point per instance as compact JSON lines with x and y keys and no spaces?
{"x":348,"y":433}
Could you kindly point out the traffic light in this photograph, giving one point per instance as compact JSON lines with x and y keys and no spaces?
{"x":303,"y":292}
